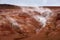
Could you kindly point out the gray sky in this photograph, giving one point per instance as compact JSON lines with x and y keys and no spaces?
{"x":32,"y":2}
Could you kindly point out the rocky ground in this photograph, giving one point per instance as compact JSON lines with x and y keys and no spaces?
{"x":29,"y":23}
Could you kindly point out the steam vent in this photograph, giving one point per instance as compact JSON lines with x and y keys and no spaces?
{"x":29,"y":22}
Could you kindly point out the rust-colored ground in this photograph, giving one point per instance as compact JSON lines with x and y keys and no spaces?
{"x":10,"y":14}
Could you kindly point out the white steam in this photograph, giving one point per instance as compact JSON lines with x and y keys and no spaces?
{"x":45,"y":14}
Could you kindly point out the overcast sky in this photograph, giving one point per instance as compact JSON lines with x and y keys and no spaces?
{"x":32,"y":2}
